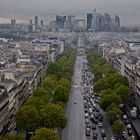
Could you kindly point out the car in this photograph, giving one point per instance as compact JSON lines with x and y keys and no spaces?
{"x":100,"y":118}
{"x":93,"y":127}
{"x":91,"y":117}
{"x":124,"y":134}
{"x":86,"y":120}
{"x":97,"y":109}
{"x":75,"y":102}
{"x":88,"y":125}
{"x":87,"y":132}
{"x":95,"y":121}
{"x":96,"y":116}
{"x":124,"y":117}
{"x":133,"y":137}
{"x":112,"y":138}
{"x":100,"y":125}
{"x":86,"y":111}
{"x":128,"y":126}
{"x":103,"y":133}
{"x":104,"y":138}
{"x":95,"y":135}
{"x":129,"y":132}
{"x":86,"y":115}
{"x":126,"y":121}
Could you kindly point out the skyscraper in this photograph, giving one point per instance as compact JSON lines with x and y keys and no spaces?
{"x":70,"y":22}
{"x":117,"y":23}
{"x":42,"y":23}
{"x":61,"y":21}
{"x":30,"y":26}
{"x":36,"y":22}
{"x":94,"y":19}
{"x":89,"y":21}
{"x":80,"y":25}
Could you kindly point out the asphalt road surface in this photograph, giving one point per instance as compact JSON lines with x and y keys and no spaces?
{"x":75,"y":129}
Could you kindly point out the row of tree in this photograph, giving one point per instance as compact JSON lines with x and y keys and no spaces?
{"x":44,"y":111}
{"x":112,"y":87}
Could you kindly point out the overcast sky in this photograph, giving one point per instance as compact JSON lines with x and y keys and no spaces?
{"x":128,"y":10}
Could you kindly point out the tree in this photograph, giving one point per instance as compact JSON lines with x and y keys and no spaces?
{"x":45,"y":134}
{"x":49,"y":82}
{"x":64,"y":82}
{"x":124,"y":92}
{"x":107,"y":70}
{"x":12,"y":136}
{"x":37,"y":102}
{"x":117,"y":78}
{"x":27,"y":118}
{"x":101,"y":84}
{"x":53,"y":116}
{"x":108,"y":99}
{"x":54,"y":69}
{"x":118,"y":127}
{"x":114,"y":112}
{"x":43,"y":93}
{"x":61,"y":94}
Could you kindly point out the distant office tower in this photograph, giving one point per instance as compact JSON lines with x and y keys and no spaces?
{"x":89,"y":21}
{"x":70,"y":22}
{"x":117,"y":23}
{"x":94,"y":19}
{"x":36,"y":22}
{"x":61,"y":21}
{"x":13,"y":21}
{"x":13,"y":24}
{"x":107,"y":22}
{"x":80,"y":25}
{"x":42,"y":23}
{"x":31,"y":22}
{"x":30,"y":26}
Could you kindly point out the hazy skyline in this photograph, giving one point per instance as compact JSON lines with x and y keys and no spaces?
{"x":128,"y":10}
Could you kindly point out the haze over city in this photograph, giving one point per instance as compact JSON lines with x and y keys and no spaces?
{"x":126,"y":9}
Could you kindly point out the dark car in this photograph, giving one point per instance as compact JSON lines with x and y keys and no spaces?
{"x":93,"y":127}
{"x":96,"y":116}
{"x":97,"y":109}
{"x":95,"y":121}
{"x":95,"y":135}
{"x":87,"y":132}
{"x":129,"y":132}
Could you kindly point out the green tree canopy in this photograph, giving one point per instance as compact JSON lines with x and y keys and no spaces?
{"x":27,"y":118}
{"x":117,"y":78}
{"x":49,"y":82}
{"x":101,"y":84}
{"x":118,"y":127}
{"x":64,"y":82}
{"x":61,"y":94}
{"x":37,"y":102}
{"x":45,"y":134}
{"x":12,"y":136}
{"x":124,"y":93}
{"x":54,"y":69}
{"x":42,"y":93}
{"x":53,"y":116}
{"x":114,"y":112}
{"x":108,"y":99}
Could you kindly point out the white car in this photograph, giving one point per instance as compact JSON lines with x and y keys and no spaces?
{"x":112,"y":138}
{"x":100,"y":125}
{"x":75,"y":102}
